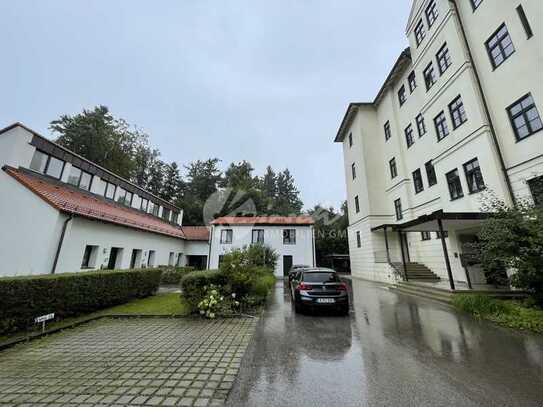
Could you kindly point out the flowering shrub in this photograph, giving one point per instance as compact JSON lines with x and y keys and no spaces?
{"x":216,"y":303}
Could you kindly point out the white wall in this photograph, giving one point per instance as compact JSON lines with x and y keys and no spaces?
{"x":82,"y":232}
{"x":30,"y":230}
{"x":301,"y":252}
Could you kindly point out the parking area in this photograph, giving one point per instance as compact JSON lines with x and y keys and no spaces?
{"x":128,"y":362}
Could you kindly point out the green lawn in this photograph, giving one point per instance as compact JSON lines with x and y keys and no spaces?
{"x":170,"y":304}
{"x":511,"y":314}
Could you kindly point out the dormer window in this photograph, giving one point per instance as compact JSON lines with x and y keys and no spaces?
{"x":46,"y":164}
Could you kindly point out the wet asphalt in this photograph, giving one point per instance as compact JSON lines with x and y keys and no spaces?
{"x":393,"y":350}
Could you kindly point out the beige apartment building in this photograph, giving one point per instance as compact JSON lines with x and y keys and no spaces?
{"x":457,"y":120}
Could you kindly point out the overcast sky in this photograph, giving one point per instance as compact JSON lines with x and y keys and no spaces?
{"x":265,"y":81}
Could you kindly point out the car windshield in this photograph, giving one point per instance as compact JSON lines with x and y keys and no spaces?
{"x":324,"y":277}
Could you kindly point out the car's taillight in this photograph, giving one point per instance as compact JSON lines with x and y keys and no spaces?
{"x":304,"y":287}
{"x":342,"y":287}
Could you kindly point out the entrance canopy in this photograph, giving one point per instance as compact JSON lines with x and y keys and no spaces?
{"x":430,"y":223}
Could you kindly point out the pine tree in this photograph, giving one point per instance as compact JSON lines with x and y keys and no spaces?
{"x":287,"y":201}
{"x":172,"y":182}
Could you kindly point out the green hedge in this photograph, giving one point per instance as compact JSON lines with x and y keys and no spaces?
{"x":24,"y":298}
{"x":193,"y":284}
{"x":252,"y":285}
{"x":173,"y":275}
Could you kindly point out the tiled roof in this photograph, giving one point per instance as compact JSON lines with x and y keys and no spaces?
{"x":196,"y":233}
{"x":264,"y":220}
{"x":70,"y":200}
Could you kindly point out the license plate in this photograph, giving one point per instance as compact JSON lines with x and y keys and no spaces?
{"x":326,"y":300}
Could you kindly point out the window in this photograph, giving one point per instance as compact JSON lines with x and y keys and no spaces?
{"x":500,"y":46}
{"x":474,"y":176}
{"x":455,"y":186}
{"x":171,"y":259}
{"x":226,"y":236}
{"x":89,"y":257}
{"x":393,"y":168}
{"x":409,"y":139}
{"x":431,"y":13}
{"x":388,"y":133}
{"x":144,"y":204}
{"x":350,"y":139}
{"x":221,"y":259}
{"x":289,"y":236}
{"x":412,"y":79}
{"x":353,"y":170}
{"x":426,"y":235}
{"x":356,"y":204}
{"x":135,"y":259}
{"x":458,"y":112}
{"x":536,"y":189}
{"x":166,"y":214}
{"x":358,"y":240}
{"x":123,"y":197}
{"x":475,"y":4}
{"x":443,"y":59}
{"x":39,"y":162}
{"x":524,"y":117}
{"x":429,"y":76}
{"x":398,"y":209}
{"x":156,"y":209}
{"x":258,"y":236}
{"x":175,"y":217}
{"x":80,"y":179}
{"x":445,"y":234}
{"x":420,"y":33}
{"x":430,"y":173}
{"x":525,"y":22}
{"x":46,"y":164}
{"x":401,"y":95}
{"x":442,"y":129}
{"x":179,"y":260}
{"x":151,"y":258}
{"x":421,"y":126}
{"x":417,"y":181}
{"x":109,"y":192}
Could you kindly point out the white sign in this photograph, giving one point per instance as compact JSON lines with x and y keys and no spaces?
{"x":44,"y":318}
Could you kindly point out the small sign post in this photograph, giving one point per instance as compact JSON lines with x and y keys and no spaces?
{"x":42,"y":319}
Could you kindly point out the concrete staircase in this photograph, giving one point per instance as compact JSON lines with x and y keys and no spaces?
{"x":416,"y":272}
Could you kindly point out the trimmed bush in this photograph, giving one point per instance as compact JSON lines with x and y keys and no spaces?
{"x":195,"y":284}
{"x":174,"y":275}
{"x":24,"y":298}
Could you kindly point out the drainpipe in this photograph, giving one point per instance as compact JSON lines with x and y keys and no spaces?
{"x":60,"y":242}
{"x":210,"y":244}
{"x":485,"y":104}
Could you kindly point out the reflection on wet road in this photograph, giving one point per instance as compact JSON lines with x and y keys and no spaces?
{"x":393,"y":350}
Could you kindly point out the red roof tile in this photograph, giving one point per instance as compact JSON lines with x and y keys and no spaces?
{"x":196,"y":233}
{"x":264,"y":220}
{"x":69,"y":200}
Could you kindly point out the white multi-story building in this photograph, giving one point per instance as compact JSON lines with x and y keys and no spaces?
{"x":291,"y":237}
{"x":456,"y":120}
{"x":62,"y":213}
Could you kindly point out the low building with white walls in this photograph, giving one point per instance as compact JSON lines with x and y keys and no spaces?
{"x":62,"y":213}
{"x":291,"y":237}
{"x":457,"y":118}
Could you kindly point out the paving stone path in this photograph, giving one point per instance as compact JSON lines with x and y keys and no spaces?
{"x":130,"y":362}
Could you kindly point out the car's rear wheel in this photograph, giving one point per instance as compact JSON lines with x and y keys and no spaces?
{"x":298,"y":308}
{"x":344,"y":310}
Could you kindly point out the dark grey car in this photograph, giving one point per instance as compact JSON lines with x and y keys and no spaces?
{"x":319,"y":288}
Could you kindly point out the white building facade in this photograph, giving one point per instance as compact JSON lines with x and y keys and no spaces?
{"x":291,"y":237}
{"x":457,"y":120}
{"x":62,"y":213}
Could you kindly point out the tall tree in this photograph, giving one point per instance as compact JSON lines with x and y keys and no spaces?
{"x":287,"y":201}
{"x":173,"y":184}
{"x":100,"y":137}
{"x":156,"y":177}
{"x":269,"y":189}
{"x":143,"y":160}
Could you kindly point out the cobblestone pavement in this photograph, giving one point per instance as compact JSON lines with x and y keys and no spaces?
{"x":131,"y":362}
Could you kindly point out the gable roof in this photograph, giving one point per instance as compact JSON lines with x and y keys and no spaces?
{"x":41,"y":142}
{"x":197,"y":233}
{"x":265,"y":220}
{"x":68,"y":199}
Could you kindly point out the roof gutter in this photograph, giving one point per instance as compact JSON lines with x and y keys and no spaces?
{"x":60,"y":242}
{"x":485,"y":105}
